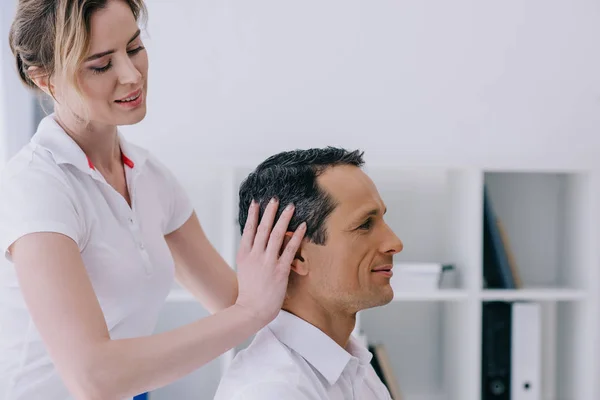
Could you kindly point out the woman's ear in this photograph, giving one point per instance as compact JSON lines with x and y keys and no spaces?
{"x":298,"y":264}
{"x":41,"y":80}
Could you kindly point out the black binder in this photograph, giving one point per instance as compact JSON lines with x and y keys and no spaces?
{"x":496,"y":350}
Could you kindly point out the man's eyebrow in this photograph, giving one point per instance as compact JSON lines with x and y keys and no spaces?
{"x":107,"y":52}
{"x":370,"y":213}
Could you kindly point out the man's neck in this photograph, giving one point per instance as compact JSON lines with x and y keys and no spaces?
{"x":336,"y":324}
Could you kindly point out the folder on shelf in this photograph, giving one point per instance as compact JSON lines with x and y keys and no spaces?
{"x":423,"y":276}
{"x":512,"y":263}
{"x":497,"y":272}
{"x":511,"y":351}
{"x":526,"y":351}
{"x":495,"y":352}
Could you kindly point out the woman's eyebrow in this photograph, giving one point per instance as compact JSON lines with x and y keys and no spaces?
{"x":105,"y":53}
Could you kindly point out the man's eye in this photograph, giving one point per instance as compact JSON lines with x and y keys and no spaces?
{"x":367,"y":225}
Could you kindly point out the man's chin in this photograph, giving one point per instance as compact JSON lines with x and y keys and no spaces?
{"x":383,"y":297}
{"x":389,"y":296}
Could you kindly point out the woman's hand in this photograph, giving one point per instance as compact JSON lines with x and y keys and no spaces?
{"x":262,"y":272}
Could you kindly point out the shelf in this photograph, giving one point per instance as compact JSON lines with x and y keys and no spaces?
{"x":548,"y":294}
{"x":440,"y":295}
{"x":546,"y":222}
{"x":542,"y":294}
{"x":180,"y":295}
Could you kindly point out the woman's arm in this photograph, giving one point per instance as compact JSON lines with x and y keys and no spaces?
{"x":67,"y":314}
{"x":200,"y":268}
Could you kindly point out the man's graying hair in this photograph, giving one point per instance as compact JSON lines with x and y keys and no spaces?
{"x":291,"y":177}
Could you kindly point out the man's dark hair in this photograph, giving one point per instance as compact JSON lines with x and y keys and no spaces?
{"x":291,"y":177}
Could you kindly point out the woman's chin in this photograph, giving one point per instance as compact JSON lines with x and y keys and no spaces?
{"x":131,"y":117}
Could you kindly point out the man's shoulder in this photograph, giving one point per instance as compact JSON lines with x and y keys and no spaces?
{"x":266,"y":369}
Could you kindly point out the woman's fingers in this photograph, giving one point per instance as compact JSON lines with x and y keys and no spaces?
{"x":292,"y":247}
{"x":278,"y":233}
{"x":249,"y":229}
{"x":262,"y":272}
{"x":264,"y":229}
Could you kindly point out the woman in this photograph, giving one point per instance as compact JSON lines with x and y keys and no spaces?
{"x":96,"y":228}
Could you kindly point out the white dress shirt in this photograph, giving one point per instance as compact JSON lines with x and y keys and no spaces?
{"x":293,"y":360}
{"x":51,"y":186}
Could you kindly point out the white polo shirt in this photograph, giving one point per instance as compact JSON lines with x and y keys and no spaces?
{"x":51,"y":186}
{"x":294,"y":360}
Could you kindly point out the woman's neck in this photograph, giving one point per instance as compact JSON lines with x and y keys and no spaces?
{"x":100,"y":143}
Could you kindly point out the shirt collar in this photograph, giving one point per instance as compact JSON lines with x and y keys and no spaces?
{"x":318,"y":349}
{"x":52,"y":137}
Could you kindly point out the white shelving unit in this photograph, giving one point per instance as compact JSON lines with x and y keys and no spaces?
{"x":434,"y":338}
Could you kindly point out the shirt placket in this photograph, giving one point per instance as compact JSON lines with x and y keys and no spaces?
{"x":134,"y":223}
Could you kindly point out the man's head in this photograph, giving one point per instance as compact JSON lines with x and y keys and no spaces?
{"x":346,"y":238}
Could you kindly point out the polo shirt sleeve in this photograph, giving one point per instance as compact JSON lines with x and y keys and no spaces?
{"x":179,"y":207}
{"x":34,"y":201}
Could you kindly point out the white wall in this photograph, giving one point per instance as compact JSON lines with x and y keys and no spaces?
{"x":423,"y":81}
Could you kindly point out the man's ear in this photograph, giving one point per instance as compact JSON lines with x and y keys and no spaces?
{"x":298,"y":264}
{"x":41,"y":79}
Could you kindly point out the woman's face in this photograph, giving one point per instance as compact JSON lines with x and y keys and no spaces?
{"x":113,"y":76}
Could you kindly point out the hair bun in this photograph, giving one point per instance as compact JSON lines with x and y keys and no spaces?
{"x":22,"y":68}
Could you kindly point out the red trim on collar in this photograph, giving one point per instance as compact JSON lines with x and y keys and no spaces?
{"x":126,"y":160}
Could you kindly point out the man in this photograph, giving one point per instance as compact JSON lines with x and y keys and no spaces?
{"x":343,"y":266}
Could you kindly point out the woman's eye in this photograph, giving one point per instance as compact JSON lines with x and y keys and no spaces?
{"x":136,"y":50}
{"x":99,"y":70}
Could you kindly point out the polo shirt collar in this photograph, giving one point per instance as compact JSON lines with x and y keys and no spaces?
{"x":52,"y":137}
{"x":318,"y":349}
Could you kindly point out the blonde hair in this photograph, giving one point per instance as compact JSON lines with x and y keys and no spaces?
{"x":54,"y":36}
